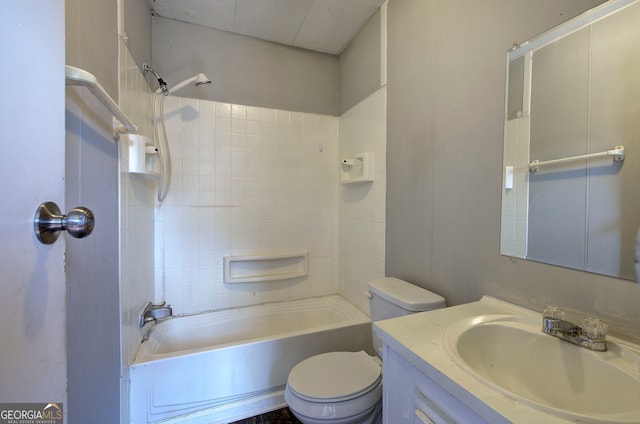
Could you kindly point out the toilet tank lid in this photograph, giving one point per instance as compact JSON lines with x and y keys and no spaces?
{"x":406,"y":295}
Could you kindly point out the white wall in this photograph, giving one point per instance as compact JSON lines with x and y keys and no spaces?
{"x":245,"y":180}
{"x":137,"y":197}
{"x":362,"y":205}
{"x":245,"y":70}
{"x":360,"y":64}
{"x":251,"y":180}
{"x":137,"y":29}
{"x":446,"y":85}
{"x":92,"y":265}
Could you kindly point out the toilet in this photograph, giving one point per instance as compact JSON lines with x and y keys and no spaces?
{"x":346,"y":387}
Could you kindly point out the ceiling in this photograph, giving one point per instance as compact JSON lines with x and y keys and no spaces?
{"x":325,"y":26}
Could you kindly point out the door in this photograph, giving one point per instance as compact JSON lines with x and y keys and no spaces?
{"x":32,"y":143}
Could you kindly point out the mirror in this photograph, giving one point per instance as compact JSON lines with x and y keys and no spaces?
{"x":573,"y":105}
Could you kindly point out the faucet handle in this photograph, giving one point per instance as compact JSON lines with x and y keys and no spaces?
{"x":594,"y":329}
{"x":553,"y":312}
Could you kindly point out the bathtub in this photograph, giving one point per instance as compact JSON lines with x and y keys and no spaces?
{"x":222,"y":366}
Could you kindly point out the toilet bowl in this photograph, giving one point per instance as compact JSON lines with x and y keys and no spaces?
{"x":346,"y":387}
{"x":336,"y":387}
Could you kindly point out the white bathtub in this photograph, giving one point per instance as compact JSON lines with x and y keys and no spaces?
{"x":223,"y":366}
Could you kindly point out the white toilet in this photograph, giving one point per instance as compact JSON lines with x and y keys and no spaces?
{"x":346,"y":387}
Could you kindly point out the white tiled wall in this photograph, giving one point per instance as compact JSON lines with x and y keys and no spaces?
{"x":515,"y":201}
{"x":136,"y":219}
{"x":246,"y":180}
{"x":362,"y":206}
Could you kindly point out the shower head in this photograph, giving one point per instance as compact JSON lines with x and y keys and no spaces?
{"x":197,"y":80}
{"x":162,"y":85}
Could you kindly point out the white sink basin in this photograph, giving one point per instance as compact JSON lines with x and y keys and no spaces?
{"x":512,"y":355}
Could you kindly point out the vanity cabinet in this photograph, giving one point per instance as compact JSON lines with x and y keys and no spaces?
{"x":411,"y":397}
{"x":515,"y":373}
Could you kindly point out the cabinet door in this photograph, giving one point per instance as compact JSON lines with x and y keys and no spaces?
{"x":397,"y":389}
{"x":419,"y":417}
{"x":411,"y":397}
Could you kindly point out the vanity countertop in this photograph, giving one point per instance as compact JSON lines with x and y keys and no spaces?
{"x":419,"y":339}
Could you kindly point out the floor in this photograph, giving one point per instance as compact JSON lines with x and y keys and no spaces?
{"x":281,"y":416}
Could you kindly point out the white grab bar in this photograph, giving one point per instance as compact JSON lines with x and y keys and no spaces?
{"x":80,"y":77}
{"x":617,"y":153}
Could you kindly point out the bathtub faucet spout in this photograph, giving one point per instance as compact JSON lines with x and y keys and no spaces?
{"x":153,"y":312}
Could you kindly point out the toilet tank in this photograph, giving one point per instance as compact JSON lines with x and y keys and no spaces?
{"x":391,"y":298}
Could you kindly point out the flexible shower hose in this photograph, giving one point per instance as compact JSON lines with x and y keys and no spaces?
{"x":162,"y":143}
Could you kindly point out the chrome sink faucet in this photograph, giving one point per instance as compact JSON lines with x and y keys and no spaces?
{"x":153,"y":312}
{"x":591,"y":333}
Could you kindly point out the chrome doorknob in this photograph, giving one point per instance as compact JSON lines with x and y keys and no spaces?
{"x":48,"y":222}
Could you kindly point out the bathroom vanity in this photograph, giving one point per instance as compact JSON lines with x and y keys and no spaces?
{"x":412,"y":394}
{"x":488,"y":361}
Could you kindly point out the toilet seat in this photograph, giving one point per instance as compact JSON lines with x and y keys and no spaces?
{"x":335,"y":376}
{"x":344,"y":387}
